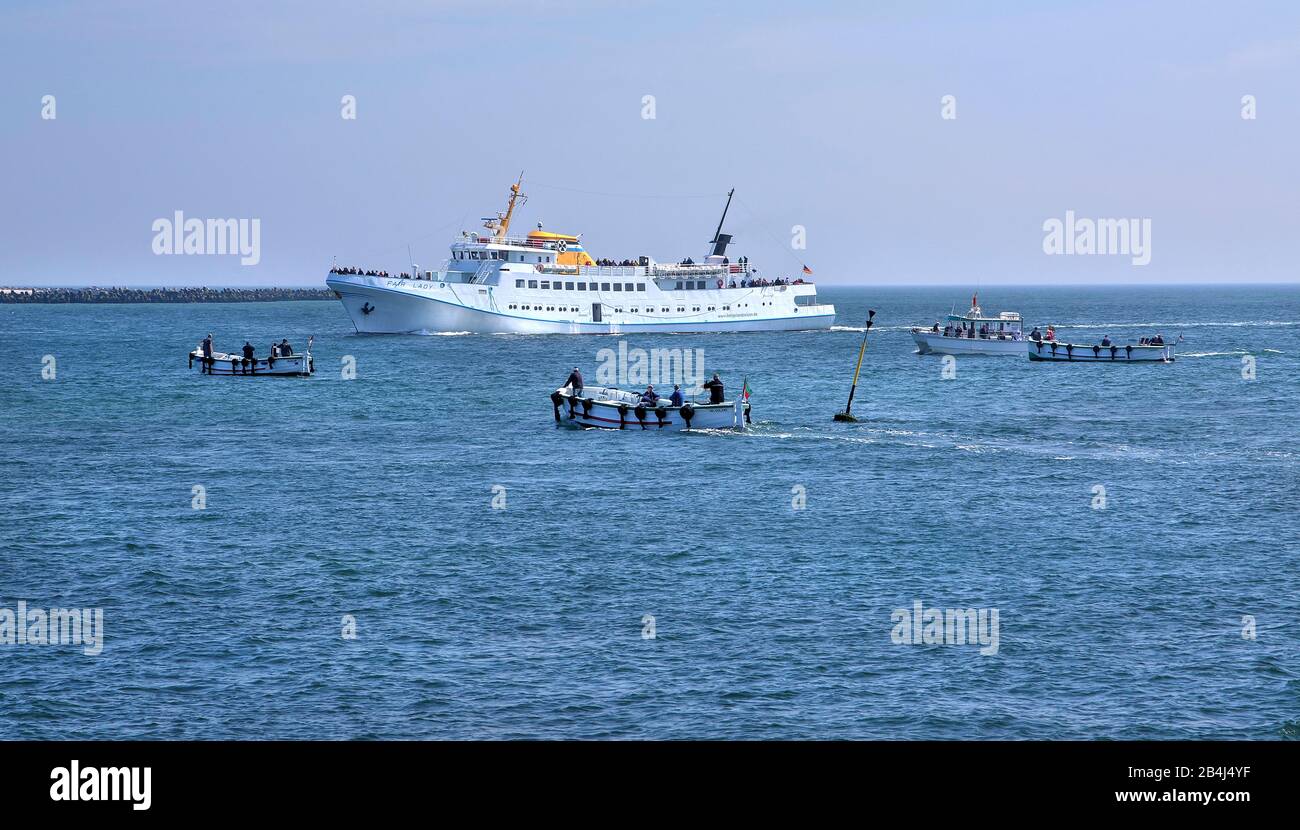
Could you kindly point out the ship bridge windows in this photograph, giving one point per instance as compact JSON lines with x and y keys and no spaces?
{"x":604,"y":286}
{"x":640,"y":286}
{"x":806,"y":299}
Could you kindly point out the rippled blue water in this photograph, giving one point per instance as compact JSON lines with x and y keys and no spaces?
{"x":373,"y":497}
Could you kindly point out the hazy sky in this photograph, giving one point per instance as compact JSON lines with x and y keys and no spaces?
{"x":825,"y":115}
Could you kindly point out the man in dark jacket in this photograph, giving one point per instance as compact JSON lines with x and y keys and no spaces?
{"x":575,"y":381}
{"x":248,"y":350}
{"x":715,"y":389}
{"x":676,"y":396}
{"x":285,"y":348}
{"x":649,"y":397}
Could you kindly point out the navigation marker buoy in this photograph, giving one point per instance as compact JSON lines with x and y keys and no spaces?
{"x":845,"y":415}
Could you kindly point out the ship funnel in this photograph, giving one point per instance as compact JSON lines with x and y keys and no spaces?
{"x":721,"y":240}
{"x":720,"y":243}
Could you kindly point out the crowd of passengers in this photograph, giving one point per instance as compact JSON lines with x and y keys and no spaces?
{"x":983,"y":332}
{"x":359,"y":272}
{"x":613,"y":264}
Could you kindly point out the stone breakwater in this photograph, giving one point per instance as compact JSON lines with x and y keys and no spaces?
{"x":161,"y":295}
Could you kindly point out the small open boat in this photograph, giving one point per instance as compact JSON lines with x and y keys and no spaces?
{"x":1056,"y":351}
{"x":608,"y":408}
{"x":293,"y":365}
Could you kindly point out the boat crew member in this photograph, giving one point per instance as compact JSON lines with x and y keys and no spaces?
{"x":715,"y":389}
{"x":649,"y":397}
{"x":1036,"y":335}
{"x":936,"y":327}
{"x":575,"y":381}
{"x":1105,"y":342}
{"x":1157,"y":340}
{"x":285,"y":348}
{"x":207,"y":346}
{"x":676,"y":396}
{"x":248,"y":350}
{"x":1051,"y":333}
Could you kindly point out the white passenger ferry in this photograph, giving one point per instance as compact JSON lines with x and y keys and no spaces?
{"x":973,"y":333}
{"x":547,"y":283}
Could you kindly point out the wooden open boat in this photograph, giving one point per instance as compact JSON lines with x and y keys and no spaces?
{"x":608,"y":408}
{"x":1058,"y":352}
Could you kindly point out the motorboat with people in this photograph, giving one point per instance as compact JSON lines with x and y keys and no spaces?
{"x":603,"y":407}
{"x":1147,"y":350}
{"x":280,"y":361}
{"x":546,"y":282}
{"x":972,"y":334}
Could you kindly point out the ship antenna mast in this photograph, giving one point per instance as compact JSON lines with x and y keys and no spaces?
{"x":721,"y":240}
{"x":501,"y":224}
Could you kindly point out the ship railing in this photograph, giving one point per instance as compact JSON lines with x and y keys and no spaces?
{"x":699,"y":268}
{"x":519,"y":242}
{"x":595,"y":270}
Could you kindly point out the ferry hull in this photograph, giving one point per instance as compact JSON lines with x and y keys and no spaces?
{"x":380,"y":305}
{"x":928,"y":342}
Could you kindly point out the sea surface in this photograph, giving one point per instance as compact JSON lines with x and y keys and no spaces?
{"x":1137,"y":529}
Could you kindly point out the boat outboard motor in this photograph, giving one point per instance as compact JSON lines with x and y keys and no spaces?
{"x":1069,"y":351}
{"x":661,"y":410}
{"x":556,"y":400}
{"x":1128,"y":350}
{"x":1113,"y":349}
{"x":688,"y":412}
{"x":1096,"y":351}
